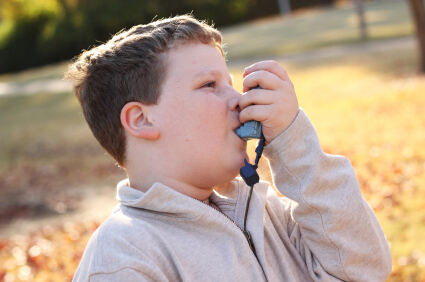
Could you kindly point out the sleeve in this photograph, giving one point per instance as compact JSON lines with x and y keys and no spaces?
{"x":335,"y":230}
{"x":126,"y":274}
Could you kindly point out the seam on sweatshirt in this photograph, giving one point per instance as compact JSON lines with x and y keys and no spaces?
{"x":152,"y":214}
{"x":321,"y":220}
{"x":114,"y":271}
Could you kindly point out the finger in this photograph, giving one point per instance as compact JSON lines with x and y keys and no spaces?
{"x":257,"y":97}
{"x":271,"y":66}
{"x":264,"y":79}
{"x":254,"y":112}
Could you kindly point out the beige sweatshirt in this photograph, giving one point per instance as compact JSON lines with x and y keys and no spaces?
{"x":323,"y":230}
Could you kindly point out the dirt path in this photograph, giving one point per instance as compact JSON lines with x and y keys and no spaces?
{"x":59,"y":85}
{"x":336,"y":51}
{"x":95,"y":204}
{"x":34,"y":87}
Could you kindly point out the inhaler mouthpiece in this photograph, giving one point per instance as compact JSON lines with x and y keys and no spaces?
{"x":249,"y":130}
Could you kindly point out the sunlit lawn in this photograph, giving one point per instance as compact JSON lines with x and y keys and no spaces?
{"x":368,"y":108}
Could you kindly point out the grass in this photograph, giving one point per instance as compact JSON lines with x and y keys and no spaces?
{"x":45,"y":128}
{"x":47,"y":156}
{"x":311,"y":29}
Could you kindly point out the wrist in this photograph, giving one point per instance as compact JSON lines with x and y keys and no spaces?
{"x":282,"y":131}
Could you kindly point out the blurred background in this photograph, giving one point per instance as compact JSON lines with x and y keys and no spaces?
{"x":358,"y":70}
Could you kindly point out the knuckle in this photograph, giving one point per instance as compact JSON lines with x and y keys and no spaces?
{"x":275,"y":63}
{"x":243,"y":101}
{"x":288,"y":87}
{"x":249,"y":78}
{"x":292,"y":86}
{"x":264,"y":73}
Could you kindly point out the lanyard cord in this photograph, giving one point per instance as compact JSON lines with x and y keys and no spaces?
{"x":251,"y":177}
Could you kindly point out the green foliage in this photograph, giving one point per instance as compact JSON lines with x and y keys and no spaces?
{"x":35,"y":32}
{"x":59,"y":29}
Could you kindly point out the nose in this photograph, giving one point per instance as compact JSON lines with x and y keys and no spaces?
{"x":233,"y":100}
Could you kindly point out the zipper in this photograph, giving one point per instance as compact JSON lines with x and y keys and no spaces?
{"x":246,"y":233}
{"x":250,"y":242}
{"x":231,"y":220}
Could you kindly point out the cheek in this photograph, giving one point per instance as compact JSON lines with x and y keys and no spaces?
{"x":175,"y":115}
{"x":201,"y":121}
{"x":213,"y":117}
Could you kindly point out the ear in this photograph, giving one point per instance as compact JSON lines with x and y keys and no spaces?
{"x":134,"y":119}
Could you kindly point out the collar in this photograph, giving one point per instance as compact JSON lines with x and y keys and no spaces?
{"x":163,"y":199}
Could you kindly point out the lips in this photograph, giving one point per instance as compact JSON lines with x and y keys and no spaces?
{"x":237,"y":126}
{"x":236,"y":129}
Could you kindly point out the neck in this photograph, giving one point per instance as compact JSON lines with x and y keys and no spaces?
{"x":192,"y":191}
{"x":143,"y":174}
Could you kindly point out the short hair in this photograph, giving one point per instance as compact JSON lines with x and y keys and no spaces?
{"x":130,"y":67}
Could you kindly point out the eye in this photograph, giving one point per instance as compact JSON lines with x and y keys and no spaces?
{"x":210,"y":84}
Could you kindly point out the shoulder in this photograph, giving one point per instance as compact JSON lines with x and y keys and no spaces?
{"x":123,"y":229}
{"x":122,"y":241}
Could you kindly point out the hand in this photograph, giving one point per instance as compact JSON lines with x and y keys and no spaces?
{"x":275,"y":105}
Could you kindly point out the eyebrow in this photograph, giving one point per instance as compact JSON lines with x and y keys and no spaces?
{"x":214,"y":73}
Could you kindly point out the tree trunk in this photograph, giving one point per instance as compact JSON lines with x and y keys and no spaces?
{"x":417,"y":9}
{"x":284,"y":7}
{"x":362,"y":21}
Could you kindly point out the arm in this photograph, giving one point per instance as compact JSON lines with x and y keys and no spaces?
{"x":332,"y":226}
{"x":329,"y":222}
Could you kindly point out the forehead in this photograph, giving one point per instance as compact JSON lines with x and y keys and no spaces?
{"x":193,"y":59}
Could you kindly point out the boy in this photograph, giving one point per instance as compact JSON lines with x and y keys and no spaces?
{"x":159,"y":99}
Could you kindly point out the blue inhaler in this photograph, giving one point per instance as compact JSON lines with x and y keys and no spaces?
{"x":251,"y":129}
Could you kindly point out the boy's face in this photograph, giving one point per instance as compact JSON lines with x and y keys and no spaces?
{"x":197,"y":114}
